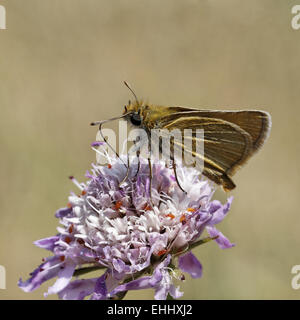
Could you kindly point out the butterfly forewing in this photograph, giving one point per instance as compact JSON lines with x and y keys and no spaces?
{"x":230,"y":138}
{"x":255,"y":122}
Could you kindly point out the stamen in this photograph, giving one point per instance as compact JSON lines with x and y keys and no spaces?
{"x":170,"y":215}
{"x":146,"y":207}
{"x":77,"y":184}
{"x":183,"y":218}
{"x":118,"y":205}
{"x":80,"y":241}
{"x":71,"y":228}
{"x":161,"y":252}
{"x":67,"y":239}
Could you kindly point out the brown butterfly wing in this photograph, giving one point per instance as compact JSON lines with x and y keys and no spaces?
{"x":230,"y":138}
{"x":255,"y":122}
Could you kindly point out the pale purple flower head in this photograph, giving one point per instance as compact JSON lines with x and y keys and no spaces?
{"x":139,"y":242}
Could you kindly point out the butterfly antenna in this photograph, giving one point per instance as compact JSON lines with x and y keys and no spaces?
{"x":129,"y":87}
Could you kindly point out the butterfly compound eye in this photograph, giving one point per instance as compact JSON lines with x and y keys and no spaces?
{"x":136,"y":119}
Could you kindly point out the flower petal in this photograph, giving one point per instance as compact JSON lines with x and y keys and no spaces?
{"x":190,"y":264}
{"x":44,"y":272}
{"x":138,"y":284}
{"x":63,"y":212}
{"x":222,"y":241}
{"x":100,"y":288}
{"x":64,"y":277}
{"x":47,"y":243}
{"x":219,"y":212}
{"x":97,"y":143}
{"x":161,"y":292}
{"x":175,"y":292}
{"x":78,"y":289}
{"x":120,"y":266}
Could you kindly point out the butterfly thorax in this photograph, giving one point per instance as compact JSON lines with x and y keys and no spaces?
{"x":145,"y":115}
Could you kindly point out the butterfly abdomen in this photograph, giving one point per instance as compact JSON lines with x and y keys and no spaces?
{"x":227,"y":183}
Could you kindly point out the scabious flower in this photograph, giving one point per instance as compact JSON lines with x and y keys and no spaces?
{"x":139,"y":242}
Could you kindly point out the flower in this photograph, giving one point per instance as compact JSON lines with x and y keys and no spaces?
{"x":140,"y":241}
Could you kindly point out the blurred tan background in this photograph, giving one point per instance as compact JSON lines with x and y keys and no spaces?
{"x":62,"y":63}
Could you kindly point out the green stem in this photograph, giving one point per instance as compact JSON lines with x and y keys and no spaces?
{"x":194,"y":245}
{"x":82,"y":271}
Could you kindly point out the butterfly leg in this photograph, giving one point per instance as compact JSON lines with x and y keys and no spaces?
{"x":127,"y":172}
{"x":139,"y":164}
{"x":176,"y":177}
{"x":150,"y":180}
{"x":138,"y":152}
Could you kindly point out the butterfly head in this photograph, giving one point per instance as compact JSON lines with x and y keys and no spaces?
{"x":133,"y":111}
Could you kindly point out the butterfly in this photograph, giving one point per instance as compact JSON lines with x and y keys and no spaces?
{"x":230,"y":138}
